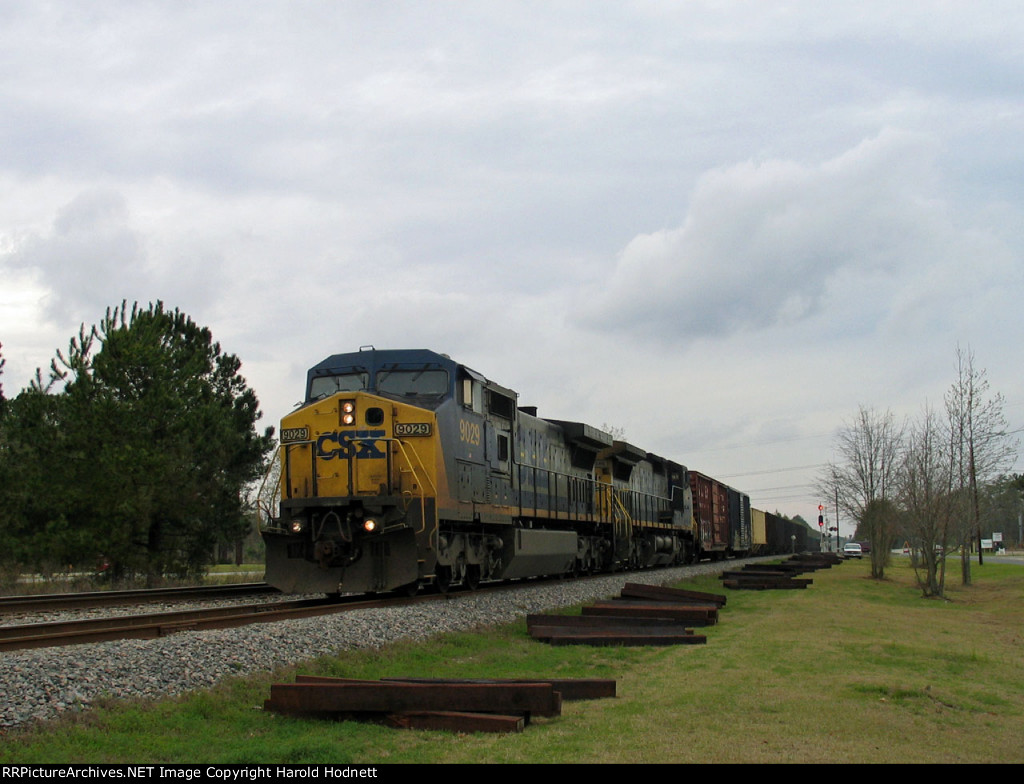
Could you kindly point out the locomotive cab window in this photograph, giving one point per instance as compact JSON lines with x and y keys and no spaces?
{"x":472,"y":395}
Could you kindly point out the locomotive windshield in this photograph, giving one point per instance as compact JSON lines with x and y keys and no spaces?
{"x":322,"y":386}
{"x":392,"y":383}
{"x":413,"y":383}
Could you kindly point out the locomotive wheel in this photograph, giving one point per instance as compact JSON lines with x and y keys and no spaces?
{"x":443,"y":578}
{"x":410,"y":590}
{"x":472,"y":578}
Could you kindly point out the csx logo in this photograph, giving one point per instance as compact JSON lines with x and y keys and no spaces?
{"x":352,"y":443}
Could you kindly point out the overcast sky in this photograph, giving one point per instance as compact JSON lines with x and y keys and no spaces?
{"x":718,"y":226}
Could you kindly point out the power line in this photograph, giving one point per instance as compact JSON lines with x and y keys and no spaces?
{"x":766,"y":442}
{"x":783,"y":487}
{"x":775,"y":471}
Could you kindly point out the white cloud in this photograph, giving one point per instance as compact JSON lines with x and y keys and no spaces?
{"x":89,"y":246}
{"x":762,"y":242}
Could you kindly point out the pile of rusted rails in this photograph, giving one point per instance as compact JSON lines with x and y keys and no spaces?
{"x":778,"y":576}
{"x":434,"y":704}
{"x":641,"y":615}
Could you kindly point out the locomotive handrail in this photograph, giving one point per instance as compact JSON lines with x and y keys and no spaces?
{"x":648,"y":504}
{"x":551,"y":507}
{"x":267,"y":507}
{"x":283,"y":478}
{"x":405,"y":449}
{"x":402,"y":445}
{"x":622,"y":525}
{"x":625,"y":512}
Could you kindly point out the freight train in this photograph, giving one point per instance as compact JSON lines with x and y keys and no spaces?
{"x":404,"y":468}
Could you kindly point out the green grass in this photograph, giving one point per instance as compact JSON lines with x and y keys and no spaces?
{"x":850,"y":670}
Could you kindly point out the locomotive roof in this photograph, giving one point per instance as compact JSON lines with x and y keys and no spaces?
{"x":371,"y":359}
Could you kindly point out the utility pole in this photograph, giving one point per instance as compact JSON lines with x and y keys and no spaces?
{"x":837,"y":518}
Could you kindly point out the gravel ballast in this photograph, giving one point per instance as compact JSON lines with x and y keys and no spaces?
{"x":44,"y":683}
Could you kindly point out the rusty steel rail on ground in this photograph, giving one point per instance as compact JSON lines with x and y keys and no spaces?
{"x":698,"y":616}
{"x":88,"y":599}
{"x":461,"y":705}
{"x":663,"y":593}
{"x":610,"y":630}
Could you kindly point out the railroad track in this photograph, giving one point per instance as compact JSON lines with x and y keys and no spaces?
{"x":152,"y":625}
{"x":79,"y":601}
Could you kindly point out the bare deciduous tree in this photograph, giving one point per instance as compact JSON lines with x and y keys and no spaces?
{"x":980,"y":449}
{"x":864,"y":477}
{"x":925,"y":482}
{"x":928,"y":478}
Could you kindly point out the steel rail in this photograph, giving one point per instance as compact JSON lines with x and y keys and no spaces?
{"x":153,"y":625}
{"x":63,"y":601}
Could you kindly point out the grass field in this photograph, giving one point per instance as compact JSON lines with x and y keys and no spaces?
{"x":849,"y":670}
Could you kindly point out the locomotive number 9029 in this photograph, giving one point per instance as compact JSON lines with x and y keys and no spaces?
{"x":469,"y":432}
{"x":412,"y":429}
{"x":290,"y":434}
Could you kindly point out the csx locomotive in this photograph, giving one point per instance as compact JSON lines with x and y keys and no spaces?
{"x":404,"y":468}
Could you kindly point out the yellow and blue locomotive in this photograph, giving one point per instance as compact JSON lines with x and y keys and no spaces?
{"x":404,"y":468}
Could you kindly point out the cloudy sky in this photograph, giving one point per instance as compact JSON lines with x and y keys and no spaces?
{"x":718,"y":226}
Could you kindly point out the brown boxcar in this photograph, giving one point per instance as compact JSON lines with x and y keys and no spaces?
{"x":711,"y":514}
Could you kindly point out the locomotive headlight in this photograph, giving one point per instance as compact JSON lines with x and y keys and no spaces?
{"x":348,"y":412}
{"x":297,"y":525}
{"x":369,"y":525}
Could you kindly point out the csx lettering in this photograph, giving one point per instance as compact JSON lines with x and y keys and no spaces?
{"x":355,"y":443}
{"x":469,"y":432}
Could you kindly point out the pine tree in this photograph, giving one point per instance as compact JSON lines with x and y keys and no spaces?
{"x":142,"y":456}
